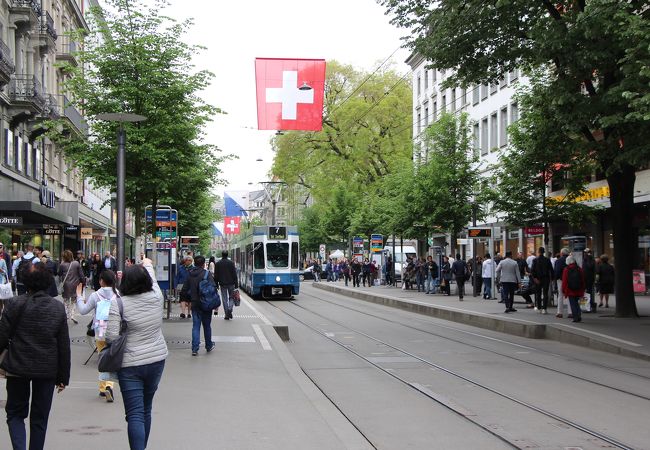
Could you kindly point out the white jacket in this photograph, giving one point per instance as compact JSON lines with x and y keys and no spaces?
{"x":145,"y":343}
{"x":487,"y":268}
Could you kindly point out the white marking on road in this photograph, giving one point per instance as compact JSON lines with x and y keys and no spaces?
{"x":259,"y":314}
{"x":633,"y":344}
{"x":330,"y":335}
{"x":233,"y":339}
{"x":261,"y":337}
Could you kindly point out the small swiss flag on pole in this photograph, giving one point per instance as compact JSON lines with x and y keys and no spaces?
{"x":290,"y":93}
{"x":231,"y":225}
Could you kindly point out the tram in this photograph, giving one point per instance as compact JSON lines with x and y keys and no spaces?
{"x":267,"y":261}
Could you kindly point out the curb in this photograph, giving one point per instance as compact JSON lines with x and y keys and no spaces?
{"x":512,"y":326}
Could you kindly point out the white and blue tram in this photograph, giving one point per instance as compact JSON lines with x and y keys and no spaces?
{"x":267,"y":261}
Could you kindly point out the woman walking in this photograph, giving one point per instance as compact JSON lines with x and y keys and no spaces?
{"x":71,"y":276}
{"x":34,"y":331}
{"x":96,"y":267}
{"x":145,"y":351}
{"x":605,"y":276}
{"x":100,"y":301}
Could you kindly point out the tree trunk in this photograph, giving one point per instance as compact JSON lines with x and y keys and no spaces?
{"x":621,"y":188}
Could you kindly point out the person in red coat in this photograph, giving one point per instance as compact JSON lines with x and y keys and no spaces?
{"x":573,"y":286}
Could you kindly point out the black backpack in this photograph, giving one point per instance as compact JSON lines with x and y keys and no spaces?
{"x":22,"y":266}
{"x":574,"y":281}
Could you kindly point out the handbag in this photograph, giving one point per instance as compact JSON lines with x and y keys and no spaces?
{"x":236,"y":297}
{"x":3,"y":355}
{"x":6,"y":292}
{"x":60,"y":289}
{"x":111,"y":356}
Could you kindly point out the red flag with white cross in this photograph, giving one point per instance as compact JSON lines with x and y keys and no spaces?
{"x":231,"y":225}
{"x":290,"y":93}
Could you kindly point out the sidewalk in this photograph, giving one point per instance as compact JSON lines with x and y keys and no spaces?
{"x":248,"y":393}
{"x":601,"y":331}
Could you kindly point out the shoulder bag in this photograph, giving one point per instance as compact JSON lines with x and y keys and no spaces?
{"x":111,"y":356}
{"x":12,"y":331}
{"x":64,"y":278}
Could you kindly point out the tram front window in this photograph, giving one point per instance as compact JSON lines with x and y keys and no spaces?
{"x":277,"y":255}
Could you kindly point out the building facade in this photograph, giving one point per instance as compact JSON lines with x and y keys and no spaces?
{"x":492,"y":108}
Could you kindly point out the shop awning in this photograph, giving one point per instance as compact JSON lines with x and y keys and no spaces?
{"x":34,"y":213}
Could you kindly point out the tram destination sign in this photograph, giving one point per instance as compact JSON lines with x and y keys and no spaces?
{"x":277,"y":232}
{"x":479,"y":232}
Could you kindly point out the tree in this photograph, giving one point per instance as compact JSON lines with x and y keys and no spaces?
{"x":134,"y":60}
{"x":596,"y":54}
{"x":445,"y":185}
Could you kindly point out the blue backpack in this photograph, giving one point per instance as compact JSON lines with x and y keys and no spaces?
{"x":208,"y":296}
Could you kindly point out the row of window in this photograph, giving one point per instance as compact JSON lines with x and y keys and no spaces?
{"x":492,"y":132}
{"x":21,"y":156}
{"x":479,"y":92}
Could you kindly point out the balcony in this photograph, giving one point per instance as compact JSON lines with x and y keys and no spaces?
{"x":46,"y":33}
{"x":52,"y":109}
{"x":25,"y":12}
{"x":7,"y":67}
{"x":73,"y":115}
{"x":67,"y":52}
{"x":26,"y":91}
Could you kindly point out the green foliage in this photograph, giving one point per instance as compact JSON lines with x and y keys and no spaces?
{"x":134,"y":60}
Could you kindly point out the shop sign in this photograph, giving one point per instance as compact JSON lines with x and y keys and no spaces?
{"x":72,"y":229}
{"x":534,"y":231}
{"x":86,"y":233}
{"x":51,"y":229}
{"x":11,"y":220}
{"x":46,"y":196}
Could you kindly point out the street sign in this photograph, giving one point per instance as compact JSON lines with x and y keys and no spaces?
{"x":376,"y":243}
{"x":479,"y":232}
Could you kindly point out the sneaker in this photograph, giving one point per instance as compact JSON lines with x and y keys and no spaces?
{"x":577,"y":320}
{"x":559,"y":316}
{"x":194,"y":353}
{"x":513,"y":310}
{"x":544,"y":311}
{"x":109,"y":394}
{"x":182,"y":315}
{"x":209,"y":349}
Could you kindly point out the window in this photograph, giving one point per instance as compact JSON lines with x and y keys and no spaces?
{"x":477,"y":137}
{"x":435,"y":112}
{"x":444,"y":103}
{"x":36,"y":157}
{"x":426,"y":79}
{"x":514,"y":75}
{"x":494,"y":131}
{"x":463,"y":96}
{"x":426,"y":116}
{"x":418,"y":126}
{"x":503,"y":83}
{"x":484,"y":136}
{"x":433,"y":75}
{"x":277,"y":255}
{"x":452,"y":105}
{"x":503,"y":128}
{"x":27,"y":152}
{"x":493,"y":88}
{"x":18,"y":156}
{"x":514,"y":113}
{"x":476,"y":95}
{"x":484,"y":91}
{"x":258,"y":255}
{"x":9,"y":148}
{"x":419,"y":88}
{"x":294,"y":255}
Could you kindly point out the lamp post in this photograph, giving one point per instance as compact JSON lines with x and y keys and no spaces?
{"x":267,"y":189}
{"x":121,"y":175}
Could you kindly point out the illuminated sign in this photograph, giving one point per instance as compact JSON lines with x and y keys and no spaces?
{"x":479,"y":232}
{"x":277,"y":232}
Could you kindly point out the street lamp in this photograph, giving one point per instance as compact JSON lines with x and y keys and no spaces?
{"x":121,"y":175}
{"x":267,"y":189}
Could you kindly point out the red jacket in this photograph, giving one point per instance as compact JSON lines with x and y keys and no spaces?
{"x":565,"y":282}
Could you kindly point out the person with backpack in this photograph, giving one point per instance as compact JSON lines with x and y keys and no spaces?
{"x":199,"y":282}
{"x":23,"y":264}
{"x":542,"y":275}
{"x":573,"y":286}
{"x":225,"y":275}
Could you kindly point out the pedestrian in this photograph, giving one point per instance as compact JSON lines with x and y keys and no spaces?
{"x":52,"y":267}
{"x":525,"y":288}
{"x":180,"y":279}
{"x":365,"y":271}
{"x":100,"y":301}
{"x":199,"y":317}
{"x":316,"y":270}
{"x":85,"y":265}
{"x":225,"y":275}
{"x":589,"y":269}
{"x":337,"y":271}
{"x":109,"y":262}
{"x":487,"y":272}
{"x":212,"y":262}
{"x":558,"y":269}
{"x":23,"y":265}
{"x":542,"y":275}
{"x":34,"y":332}
{"x":355,"y":269}
{"x":420,"y":274}
{"x":345,"y":270}
{"x":97,"y":267}
{"x":460,"y":271}
{"x":446,"y":275}
{"x":388,"y":269}
{"x":606,"y":277}
{"x":328,"y":270}
{"x":509,"y":276}
{"x":145,"y":351}
{"x":7,"y":259}
{"x":573,"y":286}
{"x":71,"y":276}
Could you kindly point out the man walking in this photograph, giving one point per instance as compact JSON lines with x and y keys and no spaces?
{"x":459,"y":270}
{"x":355,"y":268}
{"x":225,"y":275}
{"x":542,"y":275}
{"x":509,"y":275}
{"x":487,"y":269}
{"x":109,"y":262}
{"x":199,"y":317}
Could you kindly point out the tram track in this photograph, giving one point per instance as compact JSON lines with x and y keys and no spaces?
{"x":567,"y":422}
{"x":505,"y":355}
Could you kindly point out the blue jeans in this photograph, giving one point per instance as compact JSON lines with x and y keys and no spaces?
{"x":226,"y":297}
{"x":487,"y":287}
{"x":138,"y":385}
{"x":201,"y":318}
{"x":17,"y":407}
{"x":574,"y":302}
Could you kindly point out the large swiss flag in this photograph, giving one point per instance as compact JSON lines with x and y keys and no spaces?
{"x":290,"y":93}
{"x":231,"y":225}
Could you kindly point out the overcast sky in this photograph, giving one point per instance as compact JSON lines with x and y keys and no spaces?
{"x":235,"y":32}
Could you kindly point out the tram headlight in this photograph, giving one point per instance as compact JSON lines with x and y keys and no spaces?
{"x":277,"y":278}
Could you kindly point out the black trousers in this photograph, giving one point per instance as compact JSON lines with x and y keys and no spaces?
{"x":460,"y":283}
{"x":541,"y":294}
{"x":18,"y":407}
{"x":355,"y":279}
{"x":509,"y":293}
